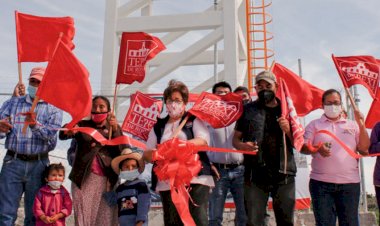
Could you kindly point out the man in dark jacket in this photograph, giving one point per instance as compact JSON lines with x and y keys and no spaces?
{"x":272,"y":171}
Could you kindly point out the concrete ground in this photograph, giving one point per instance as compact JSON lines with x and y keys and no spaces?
{"x":302,"y":218}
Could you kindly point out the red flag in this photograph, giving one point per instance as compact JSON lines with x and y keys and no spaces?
{"x":218,"y":111}
{"x":66,"y":84}
{"x":37,"y":36}
{"x":288,"y":111}
{"x":311,"y":97}
{"x":142,"y":115}
{"x":362,"y":70}
{"x":136,"y":49}
{"x":374,"y":112}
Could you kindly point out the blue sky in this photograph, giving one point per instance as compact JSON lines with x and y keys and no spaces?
{"x":310,"y":30}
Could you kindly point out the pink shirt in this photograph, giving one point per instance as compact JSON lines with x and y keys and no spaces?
{"x":340,"y":167}
{"x":49,"y":203}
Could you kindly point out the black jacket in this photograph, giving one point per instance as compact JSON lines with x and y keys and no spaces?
{"x":88,"y":149}
{"x":254,"y":117}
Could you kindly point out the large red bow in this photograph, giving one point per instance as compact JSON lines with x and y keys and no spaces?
{"x":178,"y":162}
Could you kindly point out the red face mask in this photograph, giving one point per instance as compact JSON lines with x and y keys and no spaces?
{"x":99,"y":117}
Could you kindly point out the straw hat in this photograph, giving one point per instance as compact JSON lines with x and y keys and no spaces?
{"x":127,"y":154}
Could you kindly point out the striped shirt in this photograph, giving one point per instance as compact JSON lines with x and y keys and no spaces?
{"x":42,"y":138}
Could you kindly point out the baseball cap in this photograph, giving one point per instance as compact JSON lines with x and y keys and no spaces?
{"x":37,"y":73}
{"x":267,"y":76}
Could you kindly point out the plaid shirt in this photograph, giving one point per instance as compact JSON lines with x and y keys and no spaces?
{"x":42,"y":138}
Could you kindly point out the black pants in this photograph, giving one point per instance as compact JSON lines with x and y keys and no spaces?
{"x":256,"y":200}
{"x":200,"y":194}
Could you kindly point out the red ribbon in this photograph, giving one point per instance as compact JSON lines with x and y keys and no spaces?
{"x":177,"y":162}
{"x":344,"y":146}
{"x":115,"y":141}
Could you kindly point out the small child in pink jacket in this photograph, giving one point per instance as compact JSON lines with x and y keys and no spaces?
{"x":52,"y":203}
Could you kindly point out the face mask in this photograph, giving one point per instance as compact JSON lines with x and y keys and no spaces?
{"x":129,"y":175}
{"x":246,"y":101}
{"x":54,"y":184}
{"x":332,"y":111}
{"x":99,"y":117}
{"x":32,"y":91}
{"x":266,"y":96}
{"x":175,"y":109}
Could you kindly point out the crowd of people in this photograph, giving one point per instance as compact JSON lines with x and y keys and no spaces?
{"x":106,"y":187}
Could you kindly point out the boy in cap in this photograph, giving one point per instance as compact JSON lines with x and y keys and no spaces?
{"x":133,"y":197}
{"x":27,"y":153}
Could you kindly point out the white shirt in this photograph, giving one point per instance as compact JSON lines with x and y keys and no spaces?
{"x":200,"y":131}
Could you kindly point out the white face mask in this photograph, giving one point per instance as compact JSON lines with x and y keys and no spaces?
{"x":54,"y":184}
{"x":129,"y":175}
{"x":175,"y":109}
{"x":332,"y":111}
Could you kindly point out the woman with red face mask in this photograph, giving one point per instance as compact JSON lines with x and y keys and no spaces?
{"x":92,"y":174}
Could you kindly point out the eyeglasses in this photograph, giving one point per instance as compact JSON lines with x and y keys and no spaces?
{"x":174,"y":101}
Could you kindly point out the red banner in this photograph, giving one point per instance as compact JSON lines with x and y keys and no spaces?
{"x":218,"y":111}
{"x":136,"y":49}
{"x":142,"y":115}
{"x":37,"y":36}
{"x":288,"y":111}
{"x":362,"y":70}
{"x":311,"y":98}
{"x":374,"y":112}
{"x":66,"y":84}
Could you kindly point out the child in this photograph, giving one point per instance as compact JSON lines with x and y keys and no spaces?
{"x":133,"y":197}
{"x":52,"y":203}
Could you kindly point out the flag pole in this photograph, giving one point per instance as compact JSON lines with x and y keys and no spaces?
{"x":18,"y":57}
{"x":35,"y":101}
{"x":352,"y":101}
{"x":113,"y":109}
{"x":19,"y":73}
{"x":179,"y":128}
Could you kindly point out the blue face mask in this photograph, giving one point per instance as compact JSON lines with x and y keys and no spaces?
{"x":129,"y":175}
{"x":32,"y":91}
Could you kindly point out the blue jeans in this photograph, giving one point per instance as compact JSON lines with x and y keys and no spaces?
{"x":233,"y":180}
{"x":256,"y":201}
{"x":18,"y":177}
{"x":331,"y":200}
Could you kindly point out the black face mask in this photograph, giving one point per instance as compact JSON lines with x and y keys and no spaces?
{"x":246,"y":101}
{"x":266,"y":96}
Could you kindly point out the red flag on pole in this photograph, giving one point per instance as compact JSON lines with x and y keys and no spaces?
{"x":288,"y":111}
{"x":37,"y":36}
{"x":136,"y":49}
{"x":142,"y":115}
{"x":218,"y":111}
{"x":311,"y":97}
{"x":66,"y":84}
{"x":374,"y":112}
{"x":362,"y":70}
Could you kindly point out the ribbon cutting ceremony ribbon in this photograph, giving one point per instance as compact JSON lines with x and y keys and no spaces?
{"x":343,"y":145}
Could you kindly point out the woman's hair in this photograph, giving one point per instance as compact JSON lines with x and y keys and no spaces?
{"x":105,"y":100}
{"x":329,"y":92}
{"x":176,"y":86}
{"x":51,"y":167}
